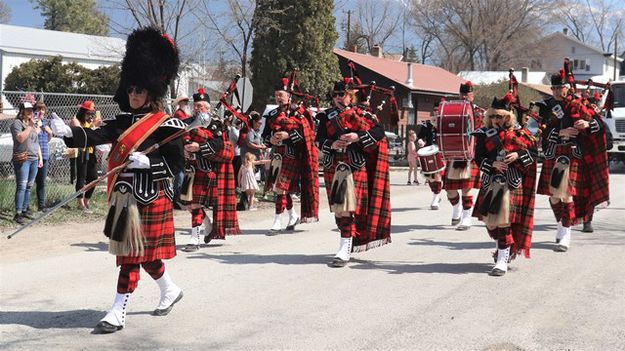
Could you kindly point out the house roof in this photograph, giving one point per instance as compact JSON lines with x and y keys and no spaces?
{"x":560,"y":35}
{"x":425,"y":78}
{"x":43,"y":42}
{"x":489,"y":77}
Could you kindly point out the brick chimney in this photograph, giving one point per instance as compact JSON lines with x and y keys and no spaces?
{"x":353,"y":48}
{"x":377,"y":51}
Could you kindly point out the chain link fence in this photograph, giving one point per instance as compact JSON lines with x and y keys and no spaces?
{"x":59,"y":182}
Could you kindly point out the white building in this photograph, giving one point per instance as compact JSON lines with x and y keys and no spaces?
{"x":490,"y":77}
{"x":22,"y":44}
{"x":587,"y":61}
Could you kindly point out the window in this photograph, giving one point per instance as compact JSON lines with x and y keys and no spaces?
{"x":575,"y":64}
{"x":582,"y":64}
{"x":572,"y":49}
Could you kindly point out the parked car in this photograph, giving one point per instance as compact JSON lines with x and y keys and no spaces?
{"x":56,"y":148}
{"x":396,"y":149}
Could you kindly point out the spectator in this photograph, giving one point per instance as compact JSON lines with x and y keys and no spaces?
{"x":26,"y":158}
{"x":181,"y":104}
{"x":86,"y":162}
{"x":254,"y":143}
{"x":247,"y":179}
{"x":412,"y":157}
{"x":45,"y":134}
{"x":234,"y":128}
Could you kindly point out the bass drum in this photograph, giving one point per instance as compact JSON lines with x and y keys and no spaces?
{"x":431,"y":160}
{"x":455,"y":125}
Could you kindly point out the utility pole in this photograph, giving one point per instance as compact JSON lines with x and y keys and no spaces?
{"x":349,"y":28}
{"x":615,"y":54}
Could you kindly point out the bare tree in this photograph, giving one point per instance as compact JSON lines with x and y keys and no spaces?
{"x":596,"y":22}
{"x":374,"y":22}
{"x":5,"y":12}
{"x":233,"y":27}
{"x":478,"y":34}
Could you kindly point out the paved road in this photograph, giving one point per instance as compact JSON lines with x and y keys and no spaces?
{"x":427,"y":290}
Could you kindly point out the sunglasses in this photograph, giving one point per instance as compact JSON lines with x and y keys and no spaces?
{"x":134,"y":89}
{"x":342,"y":94}
{"x":496,"y":117}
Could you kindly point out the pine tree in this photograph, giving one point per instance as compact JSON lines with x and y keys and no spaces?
{"x":291,"y":35}
{"x":76,"y":16}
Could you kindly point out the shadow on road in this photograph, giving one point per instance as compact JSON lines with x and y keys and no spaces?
{"x":406,"y":228}
{"x":57,"y":320}
{"x":293,"y":259}
{"x":454,"y":245}
{"x":99,"y":246}
{"x":401,"y":268}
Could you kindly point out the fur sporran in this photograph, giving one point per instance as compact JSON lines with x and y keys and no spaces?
{"x":342,"y":192}
{"x":274,"y":170}
{"x":495,"y":206}
{"x":459,"y":170}
{"x":186,"y":191}
{"x":559,"y":182}
{"x":123,"y":224}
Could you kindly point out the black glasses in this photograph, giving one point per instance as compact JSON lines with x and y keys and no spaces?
{"x":134,"y":89}
{"x":341,"y":94}
{"x":496,"y":117}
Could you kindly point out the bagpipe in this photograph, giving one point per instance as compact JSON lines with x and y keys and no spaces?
{"x":295,"y":89}
{"x":366,"y":91}
{"x":607,"y":88}
{"x":223,"y":101}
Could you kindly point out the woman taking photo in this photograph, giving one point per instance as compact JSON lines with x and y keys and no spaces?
{"x":26,"y":158}
{"x":86,"y":162}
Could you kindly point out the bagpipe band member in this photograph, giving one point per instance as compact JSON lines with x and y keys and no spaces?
{"x":356,"y":171}
{"x":425,"y":138}
{"x":595,"y":138}
{"x":289,"y":131}
{"x":140,"y":224}
{"x":463,"y":175}
{"x":574,"y":173}
{"x":506,"y":154}
{"x":209,"y":179}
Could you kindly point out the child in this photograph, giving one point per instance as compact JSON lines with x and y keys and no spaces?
{"x":412,"y":157}
{"x":247,"y":178}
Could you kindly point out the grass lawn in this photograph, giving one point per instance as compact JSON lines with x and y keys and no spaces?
{"x":55,"y":192}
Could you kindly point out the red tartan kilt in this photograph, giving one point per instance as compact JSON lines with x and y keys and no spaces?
{"x":576,"y":181}
{"x":290,"y":173}
{"x":458,"y":184}
{"x":203,"y":188}
{"x":517,"y":209}
{"x":157,"y":222}
{"x":361,"y":190}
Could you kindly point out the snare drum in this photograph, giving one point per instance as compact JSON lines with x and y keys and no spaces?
{"x":455,"y":124}
{"x":431,"y":159}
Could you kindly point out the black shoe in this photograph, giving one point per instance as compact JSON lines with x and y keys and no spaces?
{"x":43,"y":209}
{"x":338,"y":262}
{"x":165,"y":311}
{"x":561,"y":248}
{"x":588,"y":227}
{"x":28,"y":214}
{"x":190,"y":248}
{"x":496,"y":272}
{"x":209,"y":237}
{"x":19,"y":219}
{"x":106,"y":328}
